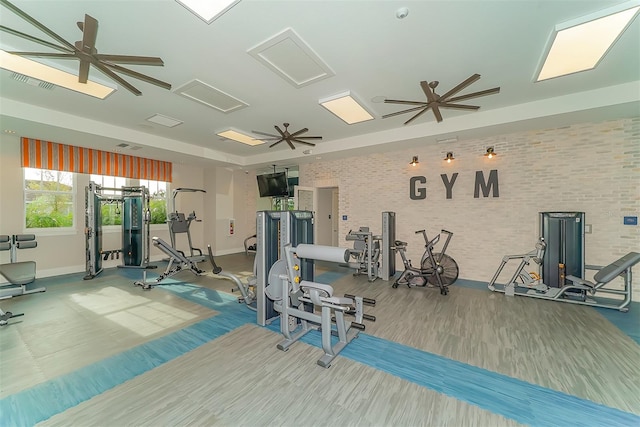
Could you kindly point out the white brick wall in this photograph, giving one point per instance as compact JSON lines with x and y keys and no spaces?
{"x":592,"y":168}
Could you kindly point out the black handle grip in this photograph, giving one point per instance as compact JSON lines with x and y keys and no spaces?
{"x":358,"y":326}
{"x":368,"y":301}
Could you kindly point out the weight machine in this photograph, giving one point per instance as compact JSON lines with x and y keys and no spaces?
{"x":572,"y":289}
{"x":366,"y":252}
{"x":136,"y":217}
{"x":275,"y":230}
{"x":369,"y":249}
{"x":292,"y":295}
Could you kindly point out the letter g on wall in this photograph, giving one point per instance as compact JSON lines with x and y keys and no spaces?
{"x":415,"y":192}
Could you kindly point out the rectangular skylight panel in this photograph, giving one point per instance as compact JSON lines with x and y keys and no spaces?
{"x":208,"y":10}
{"x":579,"y":45}
{"x":346,"y":108}
{"x":43,"y":72}
{"x":240,"y":137}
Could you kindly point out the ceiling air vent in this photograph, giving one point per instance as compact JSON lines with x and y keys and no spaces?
{"x":33,"y":82}
{"x":201,"y":92}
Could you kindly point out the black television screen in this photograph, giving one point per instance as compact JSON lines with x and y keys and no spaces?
{"x":273,"y":185}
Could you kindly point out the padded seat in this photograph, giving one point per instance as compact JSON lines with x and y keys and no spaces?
{"x":613,"y":270}
{"x":19,"y":273}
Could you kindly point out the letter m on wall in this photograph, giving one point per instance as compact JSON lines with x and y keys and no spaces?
{"x":491,"y":183}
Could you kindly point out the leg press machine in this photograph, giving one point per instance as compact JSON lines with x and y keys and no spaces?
{"x":297,"y":300}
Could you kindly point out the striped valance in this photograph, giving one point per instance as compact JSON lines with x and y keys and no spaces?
{"x":50,"y":155}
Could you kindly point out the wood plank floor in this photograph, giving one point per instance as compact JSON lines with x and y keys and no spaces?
{"x":104,"y":352}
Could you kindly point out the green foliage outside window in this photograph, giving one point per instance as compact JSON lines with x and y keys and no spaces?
{"x":48,"y":198}
{"x":158,"y":207}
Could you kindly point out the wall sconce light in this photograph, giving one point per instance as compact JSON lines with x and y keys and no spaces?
{"x":490,"y":154}
{"x":449,"y":157}
{"x":414,"y":161}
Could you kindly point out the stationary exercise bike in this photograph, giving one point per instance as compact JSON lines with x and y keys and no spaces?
{"x":437,"y":269}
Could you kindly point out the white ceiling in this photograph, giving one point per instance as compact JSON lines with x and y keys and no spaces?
{"x":370,"y":52}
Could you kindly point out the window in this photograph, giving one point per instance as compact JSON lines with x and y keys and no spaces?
{"x":49,"y":198}
{"x":157,"y":200}
{"x":111,"y":209}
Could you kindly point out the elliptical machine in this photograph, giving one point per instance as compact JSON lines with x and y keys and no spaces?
{"x":437,"y":269}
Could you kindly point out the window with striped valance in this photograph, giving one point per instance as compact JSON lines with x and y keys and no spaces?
{"x":53,"y":156}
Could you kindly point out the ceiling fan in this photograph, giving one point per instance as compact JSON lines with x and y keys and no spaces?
{"x":435,"y":101}
{"x":85,"y":50}
{"x":290,"y":138}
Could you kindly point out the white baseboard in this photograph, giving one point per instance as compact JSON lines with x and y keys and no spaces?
{"x":229,"y":251}
{"x":60,"y":271}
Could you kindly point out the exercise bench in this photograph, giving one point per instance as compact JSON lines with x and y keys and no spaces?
{"x":19,"y":274}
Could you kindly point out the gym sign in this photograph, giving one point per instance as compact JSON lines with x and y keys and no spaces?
{"x":417,"y":190}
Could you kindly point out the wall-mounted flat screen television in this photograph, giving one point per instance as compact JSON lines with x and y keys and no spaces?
{"x":273,"y":185}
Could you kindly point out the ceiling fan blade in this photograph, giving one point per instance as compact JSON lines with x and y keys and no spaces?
{"x":129,"y":59}
{"x":404,"y":111}
{"x":398,"y":101}
{"x":46,"y":54}
{"x":36,"y":24}
{"x":89,"y":34}
{"x":308,"y":137}
{"x":293,"y":147}
{"x":459,"y":106}
{"x":117,"y":78}
{"x":475,"y":94}
{"x":417,"y":115}
{"x":431,"y":97}
{"x":34,"y":39}
{"x":83,"y":71}
{"x":137,"y":75}
{"x":279,"y":131}
{"x":303,"y":142}
{"x":437,"y":113}
{"x":277,"y":142}
{"x":461,"y":86}
{"x":265,"y":134}
{"x":303,"y":130}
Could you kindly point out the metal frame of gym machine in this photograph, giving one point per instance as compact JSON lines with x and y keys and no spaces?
{"x":366,"y":262}
{"x":274,"y":231}
{"x":179,"y":224}
{"x":135,"y":227}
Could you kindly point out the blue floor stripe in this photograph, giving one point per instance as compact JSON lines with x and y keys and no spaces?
{"x":41,"y":402}
{"x":510,"y":397}
{"x":514,"y":399}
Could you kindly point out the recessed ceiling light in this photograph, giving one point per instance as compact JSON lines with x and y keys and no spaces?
{"x":580,"y":44}
{"x":45,"y":73}
{"x":240,"y":137}
{"x":346,"y":107}
{"x":164,"y":120}
{"x":208,"y":10}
